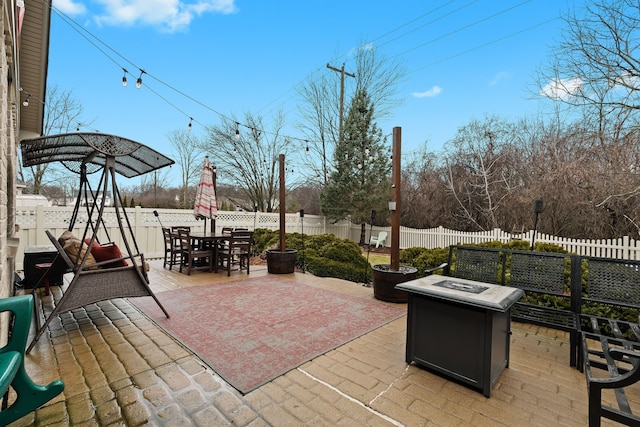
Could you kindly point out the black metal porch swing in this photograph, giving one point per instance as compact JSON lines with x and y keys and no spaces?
{"x":84,"y":154}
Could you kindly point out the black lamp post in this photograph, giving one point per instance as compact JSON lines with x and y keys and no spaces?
{"x":155,"y":213}
{"x":366,"y":267}
{"x":538,"y":207}
{"x":302,"y":232}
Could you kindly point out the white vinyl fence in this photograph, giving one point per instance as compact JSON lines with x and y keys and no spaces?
{"x":33,"y":221}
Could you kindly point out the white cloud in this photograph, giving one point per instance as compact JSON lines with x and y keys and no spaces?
{"x":69,"y":7}
{"x":562,"y":89}
{"x":173,"y":15}
{"x":502,"y":75}
{"x":429,"y":93}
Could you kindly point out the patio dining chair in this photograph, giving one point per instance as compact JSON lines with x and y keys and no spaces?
{"x":235,"y":251}
{"x":172,"y":249}
{"x":194,"y":258}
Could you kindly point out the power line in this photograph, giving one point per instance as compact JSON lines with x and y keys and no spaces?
{"x":97,"y":43}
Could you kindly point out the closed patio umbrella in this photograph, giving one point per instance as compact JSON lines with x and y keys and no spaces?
{"x":205,"y":204}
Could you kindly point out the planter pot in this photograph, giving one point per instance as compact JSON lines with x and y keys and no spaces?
{"x":385,"y":281}
{"x":279,"y":262}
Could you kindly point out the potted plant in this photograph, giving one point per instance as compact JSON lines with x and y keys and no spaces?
{"x":387,"y":276}
{"x":282,"y":260}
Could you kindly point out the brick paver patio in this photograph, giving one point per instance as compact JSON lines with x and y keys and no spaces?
{"x":120,"y":369}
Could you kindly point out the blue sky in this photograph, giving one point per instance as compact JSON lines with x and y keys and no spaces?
{"x":464,"y":59}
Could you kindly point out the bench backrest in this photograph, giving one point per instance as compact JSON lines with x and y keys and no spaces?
{"x":475,"y":263}
{"x":542,"y":272}
{"x":611,"y":281}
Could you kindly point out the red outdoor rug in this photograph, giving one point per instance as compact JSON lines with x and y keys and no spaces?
{"x":253,"y":330}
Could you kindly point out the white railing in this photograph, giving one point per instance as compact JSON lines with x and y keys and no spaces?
{"x":33,"y":221}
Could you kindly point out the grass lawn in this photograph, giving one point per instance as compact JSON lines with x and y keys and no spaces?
{"x":378,"y":258}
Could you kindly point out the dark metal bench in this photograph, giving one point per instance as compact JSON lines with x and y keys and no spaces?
{"x":542,"y":273}
{"x":609,"y":345}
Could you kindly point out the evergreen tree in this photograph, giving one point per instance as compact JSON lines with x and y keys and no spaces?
{"x":360,"y":181}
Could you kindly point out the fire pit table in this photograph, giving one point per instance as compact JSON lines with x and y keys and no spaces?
{"x":460,"y":328}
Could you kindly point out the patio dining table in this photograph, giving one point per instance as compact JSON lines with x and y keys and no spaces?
{"x":208,"y":240}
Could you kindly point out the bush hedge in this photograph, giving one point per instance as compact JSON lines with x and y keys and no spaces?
{"x":323,"y":255}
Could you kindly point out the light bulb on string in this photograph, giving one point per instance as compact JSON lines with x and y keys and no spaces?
{"x":237,"y":131}
{"x":124,"y":78}
{"x":139,"y":81}
{"x":190,"y":123}
{"x":25,"y":103}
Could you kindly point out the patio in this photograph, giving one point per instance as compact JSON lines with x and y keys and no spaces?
{"x":119,"y":368}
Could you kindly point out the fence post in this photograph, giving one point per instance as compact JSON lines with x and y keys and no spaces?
{"x":40,"y":234}
{"x":625,"y":247}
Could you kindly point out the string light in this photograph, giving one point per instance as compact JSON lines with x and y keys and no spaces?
{"x":25,"y":103}
{"x":237,"y":131}
{"x":190,"y":123}
{"x":139,"y":81}
{"x":124,"y":78}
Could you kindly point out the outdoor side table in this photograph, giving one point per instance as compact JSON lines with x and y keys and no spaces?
{"x":460,"y":328}
{"x":39,"y":254}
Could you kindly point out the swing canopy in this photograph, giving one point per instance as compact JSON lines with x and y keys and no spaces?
{"x":93,"y":149}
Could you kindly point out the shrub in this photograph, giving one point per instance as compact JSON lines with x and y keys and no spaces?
{"x":323,"y":267}
{"x":423,"y":259}
{"x":324,"y":255}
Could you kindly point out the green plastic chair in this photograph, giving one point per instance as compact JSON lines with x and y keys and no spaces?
{"x":30,"y":396}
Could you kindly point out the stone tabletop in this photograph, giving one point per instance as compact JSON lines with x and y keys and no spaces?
{"x":479,"y":294}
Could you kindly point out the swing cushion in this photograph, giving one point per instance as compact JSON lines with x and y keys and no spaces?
{"x":74,"y":246}
{"x":106,"y":252}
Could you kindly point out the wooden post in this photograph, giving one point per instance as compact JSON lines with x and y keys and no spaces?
{"x":283,"y":223}
{"x":214,"y":173}
{"x":342,"y":74}
{"x":395,"y":197}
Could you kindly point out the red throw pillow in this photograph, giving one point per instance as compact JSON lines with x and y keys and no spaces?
{"x":107,"y":252}
{"x":95,"y":244}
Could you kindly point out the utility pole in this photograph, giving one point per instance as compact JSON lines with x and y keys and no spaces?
{"x":342,"y":74}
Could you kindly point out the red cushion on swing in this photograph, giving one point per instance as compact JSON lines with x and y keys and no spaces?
{"x":107,"y":252}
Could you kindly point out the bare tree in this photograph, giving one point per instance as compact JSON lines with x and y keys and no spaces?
{"x":153,"y":189}
{"x":596,"y":68}
{"x":248,"y":159}
{"x":478,"y":173}
{"x":424,"y":202}
{"x":190,"y":158}
{"x":596,"y":64}
{"x":319,"y":113}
